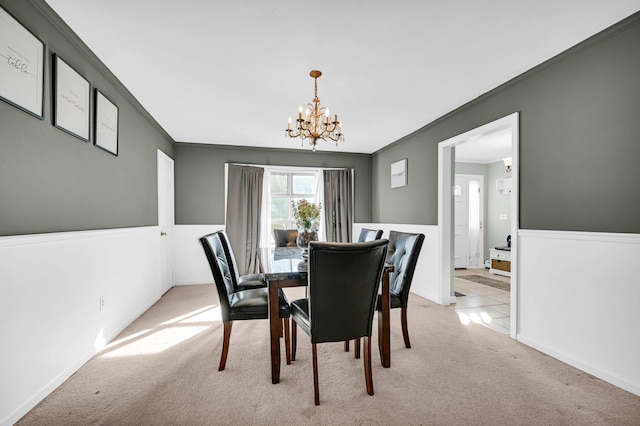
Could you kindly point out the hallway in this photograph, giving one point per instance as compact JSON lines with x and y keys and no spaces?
{"x":482,"y":304}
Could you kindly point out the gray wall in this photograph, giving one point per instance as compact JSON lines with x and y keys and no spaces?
{"x":579,"y":141}
{"x":199,"y":177}
{"x":417,"y":202}
{"x":51,"y":181}
{"x":578,"y":149}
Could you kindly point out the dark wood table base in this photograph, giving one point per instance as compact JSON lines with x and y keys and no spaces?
{"x":275,"y":323}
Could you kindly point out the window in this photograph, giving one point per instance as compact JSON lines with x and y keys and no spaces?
{"x":285,"y":187}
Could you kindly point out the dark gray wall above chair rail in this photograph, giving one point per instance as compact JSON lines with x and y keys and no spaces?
{"x":51,"y":181}
{"x":578,"y":153}
{"x":579,"y":141}
{"x":199,"y":176}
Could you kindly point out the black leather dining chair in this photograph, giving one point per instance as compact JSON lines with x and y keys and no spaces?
{"x":365,"y":235}
{"x":285,"y":237}
{"x":236,"y":305}
{"x":240,"y":282}
{"x":369,"y":235}
{"x":404,"y":249}
{"x":343,"y":287}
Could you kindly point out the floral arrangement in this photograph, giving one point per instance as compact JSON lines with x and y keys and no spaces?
{"x":306,"y":214}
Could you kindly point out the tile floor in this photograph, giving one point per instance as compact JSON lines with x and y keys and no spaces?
{"x":482,"y":304}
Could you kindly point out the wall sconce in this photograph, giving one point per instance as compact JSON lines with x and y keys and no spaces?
{"x":507,"y":163}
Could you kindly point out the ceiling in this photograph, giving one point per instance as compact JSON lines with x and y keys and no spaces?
{"x":231,"y":72}
{"x":485,"y":149}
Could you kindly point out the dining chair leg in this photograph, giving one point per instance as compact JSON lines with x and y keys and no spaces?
{"x":380,"y":346}
{"x":405,"y":329}
{"x":287,"y":340}
{"x":225,"y":345}
{"x":346,"y":345}
{"x":294,"y":339}
{"x":316,"y":389}
{"x":356,"y":349}
{"x":368,"y":374}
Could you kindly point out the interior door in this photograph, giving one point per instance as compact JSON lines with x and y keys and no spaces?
{"x":461,"y":222}
{"x":166,"y":220}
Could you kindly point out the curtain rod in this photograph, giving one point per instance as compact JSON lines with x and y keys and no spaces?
{"x":287,"y":167}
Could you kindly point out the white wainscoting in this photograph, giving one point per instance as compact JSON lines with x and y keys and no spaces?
{"x":50,"y":317}
{"x":578,"y":298}
{"x":579,"y":301}
{"x":190,"y":263}
{"x":425,"y":278}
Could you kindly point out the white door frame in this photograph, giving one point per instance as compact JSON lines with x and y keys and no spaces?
{"x":446,"y":169}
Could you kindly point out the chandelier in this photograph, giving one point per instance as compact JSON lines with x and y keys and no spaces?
{"x":316,"y":122}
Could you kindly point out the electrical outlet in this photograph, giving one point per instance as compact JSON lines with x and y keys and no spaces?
{"x":503,"y":216}
{"x":101,"y":302}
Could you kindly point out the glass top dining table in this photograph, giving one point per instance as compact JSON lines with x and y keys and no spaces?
{"x":283,"y":263}
{"x":285,"y":267}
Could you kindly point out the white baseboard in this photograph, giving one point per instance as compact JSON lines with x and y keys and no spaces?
{"x":194,"y":283}
{"x":605,"y":375}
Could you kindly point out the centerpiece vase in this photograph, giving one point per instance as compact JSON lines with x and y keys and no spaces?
{"x":305,"y":236}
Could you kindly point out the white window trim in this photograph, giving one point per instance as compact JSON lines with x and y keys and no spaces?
{"x":265,"y":224}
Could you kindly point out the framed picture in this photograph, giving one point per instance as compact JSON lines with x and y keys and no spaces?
{"x":21,"y":66}
{"x":106,"y":124}
{"x":71,"y":100}
{"x":399,"y":173}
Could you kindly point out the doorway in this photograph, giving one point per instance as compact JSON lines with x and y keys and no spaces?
{"x":166,"y":220}
{"x":446,"y":219}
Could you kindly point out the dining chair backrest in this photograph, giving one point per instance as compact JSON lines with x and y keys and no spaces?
{"x":369,"y":235}
{"x":285,"y":237}
{"x":215,"y":252}
{"x":231,"y":259}
{"x":343,"y":287}
{"x":404,"y":249}
{"x":240,"y":282}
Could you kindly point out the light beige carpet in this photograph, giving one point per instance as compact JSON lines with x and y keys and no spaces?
{"x":162,"y":370}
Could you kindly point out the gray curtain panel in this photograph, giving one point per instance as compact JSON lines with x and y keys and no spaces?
{"x":244,"y":205}
{"x":338,"y":205}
